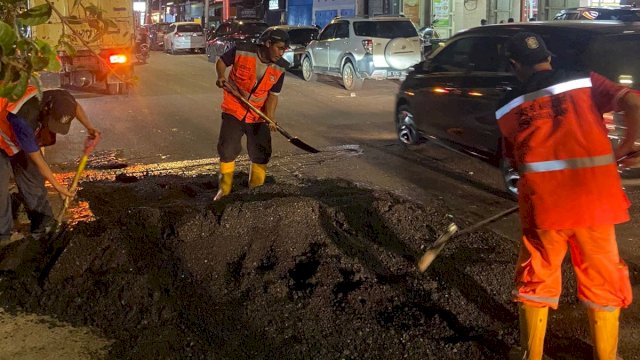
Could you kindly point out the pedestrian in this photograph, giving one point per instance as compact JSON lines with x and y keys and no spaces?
{"x":510,"y":20}
{"x":257,"y":74}
{"x":569,"y":192}
{"x":483,"y":22}
{"x":20,"y":154}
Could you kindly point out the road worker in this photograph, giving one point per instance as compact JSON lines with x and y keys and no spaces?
{"x":257,"y":74}
{"x":20,"y":154}
{"x":570,"y":193}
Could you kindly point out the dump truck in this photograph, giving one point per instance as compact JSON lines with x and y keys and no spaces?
{"x":107,"y":51}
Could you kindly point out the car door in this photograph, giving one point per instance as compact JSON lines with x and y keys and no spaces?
{"x":168,"y":38}
{"x":337,"y":46}
{"x":484,"y":86}
{"x":320,"y":48}
{"x":439,"y":90}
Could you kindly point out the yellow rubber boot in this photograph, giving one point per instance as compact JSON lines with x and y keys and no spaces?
{"x":226,"y":179}
{"x":533,"y":325}
{"x":604,"y":333}
{"x":257,"y":174}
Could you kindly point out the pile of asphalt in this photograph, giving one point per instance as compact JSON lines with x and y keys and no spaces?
{"x":319,"y":269}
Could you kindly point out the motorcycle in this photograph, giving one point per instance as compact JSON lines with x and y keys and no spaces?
{"x":142,"y":53}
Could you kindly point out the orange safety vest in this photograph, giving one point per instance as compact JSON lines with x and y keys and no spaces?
{"x":243,"y":75}
{"x":568,"y":174}
{"x":8,"y":140}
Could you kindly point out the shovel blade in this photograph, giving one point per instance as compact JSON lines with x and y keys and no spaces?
{"x":302,"y":145}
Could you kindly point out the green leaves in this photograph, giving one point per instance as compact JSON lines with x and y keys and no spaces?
{"x":8,"y":38}
{"x":36,"y":15}
{"x":22,"y":57}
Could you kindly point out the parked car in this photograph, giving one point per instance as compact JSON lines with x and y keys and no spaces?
{"x":156,"y":35}
{"x":230,"y":32}
{"x":299,"y":38}
{"x":184,"y":36}
{"x":625,"y":13}
{"x":362,"y":48}
{"x":453,"y":95}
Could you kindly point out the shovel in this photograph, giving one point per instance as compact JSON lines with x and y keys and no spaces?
{"x":292,"y":139}
{"x":89,"y":145}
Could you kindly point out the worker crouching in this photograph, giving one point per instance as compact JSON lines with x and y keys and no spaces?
{"x":570,"y":193}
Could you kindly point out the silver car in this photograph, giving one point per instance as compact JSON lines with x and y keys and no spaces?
{"x":363,"y":48}
{"x":184,"y":36}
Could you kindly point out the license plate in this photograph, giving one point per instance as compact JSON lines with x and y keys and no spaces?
{"x":394,"y":74}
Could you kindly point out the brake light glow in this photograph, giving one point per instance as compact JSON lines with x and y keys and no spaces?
{"x":440,"y":90}
{"x":117,"y":59}
{"x":475,"y":93}
{"x":368,"y":46}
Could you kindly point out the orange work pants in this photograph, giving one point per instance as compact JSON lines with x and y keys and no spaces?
{"x":603,"y":278}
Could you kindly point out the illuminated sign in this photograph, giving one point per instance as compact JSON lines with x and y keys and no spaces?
{"x":274,"y":5}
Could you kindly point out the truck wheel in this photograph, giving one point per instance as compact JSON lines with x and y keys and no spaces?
{"x":112,"y":89}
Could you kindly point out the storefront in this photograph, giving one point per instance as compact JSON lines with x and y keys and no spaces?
{"x":325,"y":10}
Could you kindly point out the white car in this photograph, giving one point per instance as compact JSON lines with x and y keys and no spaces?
{"x":362,"y":48}
{"x":184,"y":36}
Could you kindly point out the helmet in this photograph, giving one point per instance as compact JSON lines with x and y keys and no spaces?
{"x":276,"y":35}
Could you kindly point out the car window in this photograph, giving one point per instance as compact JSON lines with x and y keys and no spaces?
{"x":252,"y":28}
{"x":385,"y":29}
{"x":565,"y":57}
{"x":342,"y":31}
{"x":171,"y":28}
{"x":302,"y":36}
{"x":328,"y":32}
{"x":472,"y":53}
{"x":189,"y":28}
{"x":616,"y":65}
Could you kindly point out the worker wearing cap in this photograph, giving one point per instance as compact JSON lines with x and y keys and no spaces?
{"x":36,"y":123}
{"x":570,"y":193}
{"x":257,"y":74}
{"x":20,"y":154}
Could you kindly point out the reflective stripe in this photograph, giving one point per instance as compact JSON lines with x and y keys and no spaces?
{"x":549,"y":91}
{"x":576,"y":163}
{"x":247,"y":54}
{"x":15,"y":107}
{"x":593,"y":305}
{"x":14,"y":148}
{"x":540,"y":299}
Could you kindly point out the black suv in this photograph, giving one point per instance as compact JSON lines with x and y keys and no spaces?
{"x":599,"y":13}
{"x":231,"y":31}
{"x":453,"y":95}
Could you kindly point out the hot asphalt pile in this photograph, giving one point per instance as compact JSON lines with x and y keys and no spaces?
{"x":318,"y":269}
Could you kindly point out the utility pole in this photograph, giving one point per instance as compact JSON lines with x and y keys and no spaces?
{"x":205,"y":20}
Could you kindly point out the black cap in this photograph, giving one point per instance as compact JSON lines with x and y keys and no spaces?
{"x":275,"y":35}
{"x":61,"y":105}
{"x":527,"y":48}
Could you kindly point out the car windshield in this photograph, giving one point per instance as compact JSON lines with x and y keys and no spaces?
{"x":251,"y":28}
{"x":189,"y":28}
{"x":302,"y":36}
{"x":611,"y":56}
{"x":385,"y":29}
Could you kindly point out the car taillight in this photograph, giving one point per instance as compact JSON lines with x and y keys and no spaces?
{"x":368,"y":46}
{"x":117,"y":59}
{"x":239,"y":36}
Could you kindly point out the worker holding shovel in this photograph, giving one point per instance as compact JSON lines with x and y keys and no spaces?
{"x":34,"y":124}
{"x":570,"y":193}
{"x":257,"y":75}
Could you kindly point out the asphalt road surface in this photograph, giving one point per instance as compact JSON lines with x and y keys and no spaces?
{"x":173,"y":115}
